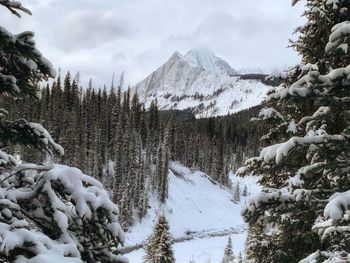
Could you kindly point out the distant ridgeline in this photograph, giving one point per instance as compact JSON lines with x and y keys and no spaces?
{"x":263,"y":78}
{"x":111,"y":136}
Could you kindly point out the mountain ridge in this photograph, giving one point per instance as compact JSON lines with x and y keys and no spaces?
{"x":202,"y":83}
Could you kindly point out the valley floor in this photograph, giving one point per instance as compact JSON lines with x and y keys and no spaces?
{"x":201,"y":216}
{"x":202,"y":250}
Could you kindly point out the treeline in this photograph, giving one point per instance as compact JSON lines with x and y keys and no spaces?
{"x":110,"y":135}
{"x":218,"y":145}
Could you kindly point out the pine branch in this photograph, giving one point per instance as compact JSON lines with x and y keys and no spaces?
{"x":26,"y":167}
{"x":15,"y":7}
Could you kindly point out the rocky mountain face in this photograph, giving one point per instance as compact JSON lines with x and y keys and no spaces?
{"x":202,"y":83}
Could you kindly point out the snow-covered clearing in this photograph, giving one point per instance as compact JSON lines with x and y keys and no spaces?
{"x":210,"y":249}
{"x":201,"y":215}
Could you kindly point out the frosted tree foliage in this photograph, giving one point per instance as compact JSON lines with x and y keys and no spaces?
{"x":228,"y":254}
{"x":47,"y":213}
{"x":237,"y":193}
{"x":159,"y":245}
{"x":305,"y":170}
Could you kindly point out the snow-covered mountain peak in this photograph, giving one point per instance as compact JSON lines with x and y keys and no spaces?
{"x":202,"y":57}
{"x":202,"y":83}
{"x":176,"y":55}
{"x":206,"y":59}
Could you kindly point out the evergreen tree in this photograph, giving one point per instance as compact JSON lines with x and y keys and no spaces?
{"x":240,"y":258}
{"x":237,"y":193}
{"x":304,"y":168}
{"x":321,"y":15}
{"x":164,"y":167}
{"x":126,"y":207}
{"x":49,"y":213}
{"x":158,"y":248}
{"x":228,"y":254}
{"x":142,"y":190}
{"x":245,"y":191}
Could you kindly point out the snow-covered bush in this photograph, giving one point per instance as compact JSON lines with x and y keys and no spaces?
{"x":47,"y":213}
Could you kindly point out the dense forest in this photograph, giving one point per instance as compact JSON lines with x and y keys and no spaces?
{"x":300,"y":138}
{"x":110,"y":135}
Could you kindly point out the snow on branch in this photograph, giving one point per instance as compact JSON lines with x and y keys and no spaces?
{"x":278,"y":151}
{"x":339,"y":37}
{"x":28,"y":133}
{"x":45,"y":137}
{"x":294,"y":2}
{"x":318,"y":115}
{"x":57,"y":215}
{"x":327,"y":257}
{"x":269,"y":113}
{"x":30,"y":65}
{"x":14,"y":7}
{"x":338,"y":204}
{"x":275,"y":200}
{"x":313,"y":83}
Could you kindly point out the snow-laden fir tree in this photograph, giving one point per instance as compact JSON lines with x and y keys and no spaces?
{"x":228,"y":254}
{"x":47,"y":214}
{"x":237,"y":193}
{"x":303,"y":211}
{"x":158,"y":247}
{"x":245,"y":191}
{"x":240,"y":258}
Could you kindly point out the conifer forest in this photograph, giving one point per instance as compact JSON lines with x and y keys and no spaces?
{"x":221,"y":134}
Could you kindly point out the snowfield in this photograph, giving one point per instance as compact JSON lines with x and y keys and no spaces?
{"x":201,"y":216}
{"x":201,"y":250}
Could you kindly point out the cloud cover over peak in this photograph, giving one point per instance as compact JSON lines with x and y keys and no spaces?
{"x":101,"y":37}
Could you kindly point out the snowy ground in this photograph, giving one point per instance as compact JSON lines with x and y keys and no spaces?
{"x":201,"y":250}
{"x":201,"y":216}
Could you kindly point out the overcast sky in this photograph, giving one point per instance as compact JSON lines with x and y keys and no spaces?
{"x":99,"y":37}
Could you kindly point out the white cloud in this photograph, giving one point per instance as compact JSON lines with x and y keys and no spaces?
{"x":89,"y":29}
{"x":101,"y":37}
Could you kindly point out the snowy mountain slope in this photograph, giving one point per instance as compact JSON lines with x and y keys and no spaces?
{"x":201,"y":82}
{"x":201,"y":215}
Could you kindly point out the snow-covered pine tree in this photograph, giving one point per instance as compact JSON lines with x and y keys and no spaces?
{"x":158,"y":248}
{"x":47,"y":214}
{"x":245,"y":191}
{"x":126,"y":206}
{"x":218,"y":162}
{"x":163,"y":184}
{"x":142,"y":188}
{"x":134,"y":165}
{"x":157,"y":180}
{"x":321,"y":15}
{"x":237,"y":193}
{"x":305,"y":169}
{"x":228,"y":254}
{"x":240,"y":258}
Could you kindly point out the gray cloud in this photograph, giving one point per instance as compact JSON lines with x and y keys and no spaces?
{"x":89,"y":29}
{"x":101,"y":37}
